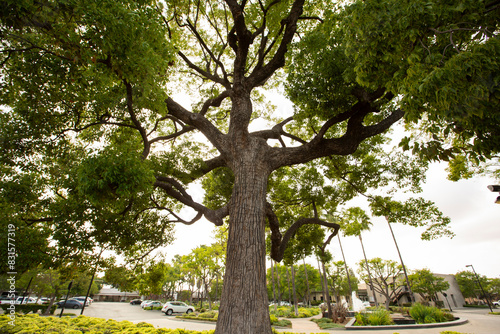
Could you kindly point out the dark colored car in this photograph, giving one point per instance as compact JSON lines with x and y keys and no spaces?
{"x":136,"y":302}
{"x":70,"y":303}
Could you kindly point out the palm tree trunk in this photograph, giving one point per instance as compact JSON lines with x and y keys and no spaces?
{"x":307,"y":283}
{"x":368,"y":270}
{"x":412,"y":298}
{"x":294,"y":293}
{"x":347,"y":272}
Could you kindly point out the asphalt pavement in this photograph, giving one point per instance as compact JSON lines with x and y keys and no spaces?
{"x":479,"y":321}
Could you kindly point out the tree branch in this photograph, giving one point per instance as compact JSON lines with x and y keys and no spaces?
{"x":175,"y":189}
{"x":199,"y":122}
{"x":133,"y":117}
{"x":210,"y":53}
{"x":259,"y":76}
{"x":277,"y":132}
{"x":279,"y":242}
{"x":213,"y":77}
{"x":355,"y":133}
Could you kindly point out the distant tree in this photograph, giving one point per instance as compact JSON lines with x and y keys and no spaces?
{"x":385,"y":275}
{"x":337,"y":279}
{"x":467,"y":282}
{"x":493,"y":288}
{"x":205,"y":261}
{"x":469,"y":285}
{"x":427,"y":285}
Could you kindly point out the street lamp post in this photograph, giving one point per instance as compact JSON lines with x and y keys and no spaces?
{"x":480,"y":286}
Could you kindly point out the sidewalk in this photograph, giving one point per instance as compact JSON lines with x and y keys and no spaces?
{"x":303,"y":325}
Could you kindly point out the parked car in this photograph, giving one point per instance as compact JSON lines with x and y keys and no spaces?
{"x":6,"y":300}
{"x":136,"y":302}
{"x":82,"y":300}
{"x":27,"y":300}
{"x":145,"y":301}
{"x":152,"y":303}
{"x":70,"y":303}
{"x":176,"y":307}
{"x":497,"y":303}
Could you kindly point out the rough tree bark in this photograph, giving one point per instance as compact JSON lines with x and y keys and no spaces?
{"x":244,"y":301}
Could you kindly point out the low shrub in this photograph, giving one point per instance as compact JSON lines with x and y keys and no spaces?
{"x":209,"y":315}
{"x":28,"y":308}
{"x":428,"y":314}
{"x":377,"y":317}
{"x":153,"y":308}
{"x":400,"y":309}
{"x":280,"y":322}
{"x":476,"y":306}
{"x":289,"y":312}
{"x":326,"y":323}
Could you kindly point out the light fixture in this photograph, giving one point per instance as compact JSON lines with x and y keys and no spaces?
{"x":495,"y":189}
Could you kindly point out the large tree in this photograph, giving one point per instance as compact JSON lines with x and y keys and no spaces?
{"x":95,"y":111}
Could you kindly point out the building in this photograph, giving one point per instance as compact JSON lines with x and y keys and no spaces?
{"x":110,"y":294}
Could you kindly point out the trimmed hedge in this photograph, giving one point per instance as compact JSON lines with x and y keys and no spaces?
{"x":27,"y":308}
{"x":289,"y":312}
{"x":35,"y":324}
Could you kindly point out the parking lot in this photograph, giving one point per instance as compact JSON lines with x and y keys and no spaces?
{"x":135,"y":314}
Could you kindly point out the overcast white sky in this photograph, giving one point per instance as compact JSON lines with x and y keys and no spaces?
{"x":475,"y":219}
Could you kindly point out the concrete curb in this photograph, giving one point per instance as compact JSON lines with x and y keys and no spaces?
{"x":456,"y":322}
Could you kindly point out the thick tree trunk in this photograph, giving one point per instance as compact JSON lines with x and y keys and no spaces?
{"x":244,"y":302}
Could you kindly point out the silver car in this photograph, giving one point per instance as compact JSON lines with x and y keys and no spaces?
{"x":177,"y":307}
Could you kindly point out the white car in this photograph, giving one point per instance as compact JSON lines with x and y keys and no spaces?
{"x":152,"y":303}
{"x":27,"y":300}
{"x":177,"y":307}
{"x":145,"y":301}
{"x":497,"y":303}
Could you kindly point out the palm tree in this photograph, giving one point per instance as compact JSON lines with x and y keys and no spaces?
{"x":356,"y":221}
{"x":347,"y":272}
{"x":416,"y":212}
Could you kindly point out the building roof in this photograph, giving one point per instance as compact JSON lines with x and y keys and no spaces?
{"x":108,"y":290}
